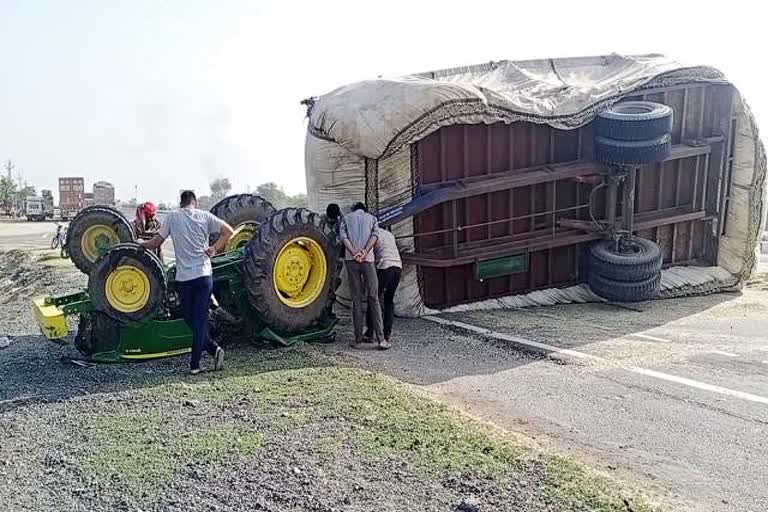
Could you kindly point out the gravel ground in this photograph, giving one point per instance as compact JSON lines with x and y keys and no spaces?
{"x":281,"y":430}
{"x":26,"y":275}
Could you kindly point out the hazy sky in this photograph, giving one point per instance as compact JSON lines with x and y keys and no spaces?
{"x":168,"y":94}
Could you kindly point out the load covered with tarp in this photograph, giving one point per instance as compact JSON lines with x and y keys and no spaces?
{"x":359,"y":138}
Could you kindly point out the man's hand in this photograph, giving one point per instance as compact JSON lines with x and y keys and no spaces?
{"x":360,"y":256}
{"x":153,"y":243}
{"x":211,"y":251}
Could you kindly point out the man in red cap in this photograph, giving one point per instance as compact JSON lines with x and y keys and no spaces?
{"x":146,"y":224}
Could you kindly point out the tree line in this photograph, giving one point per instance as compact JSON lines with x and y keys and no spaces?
{"x":272,"y":192}
{"x":13,"y":194}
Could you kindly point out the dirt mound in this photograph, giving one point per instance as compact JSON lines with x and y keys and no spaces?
{"x":23,"y":275}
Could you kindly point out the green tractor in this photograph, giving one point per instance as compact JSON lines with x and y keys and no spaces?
{"x":276,"y":281}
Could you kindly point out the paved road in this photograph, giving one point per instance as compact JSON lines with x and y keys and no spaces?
{"x":37,"y":236}
{"x":672,"y":398}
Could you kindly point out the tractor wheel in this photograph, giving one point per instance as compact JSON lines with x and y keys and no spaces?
{"x":291,"y":270}
{"x":634,"y":120}
{"x":622,"y":291}
{"x":96,"y":333}
{"x":619,"y":152}
{"x":128,"y":283}
{"x":92,"y":232}
{"x":244,"y":212}
{"x":639,"y":260}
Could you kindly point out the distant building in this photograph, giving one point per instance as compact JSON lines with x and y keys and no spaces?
{"x":88,"y":199}
{"x":103,"y":193}
{"x":71,"y":195}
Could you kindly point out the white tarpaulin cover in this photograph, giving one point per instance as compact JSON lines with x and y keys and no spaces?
{"x":359,"y":135}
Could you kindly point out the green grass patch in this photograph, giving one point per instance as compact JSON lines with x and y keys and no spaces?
{"x":143,"y":450}
{"x":266,"y":400}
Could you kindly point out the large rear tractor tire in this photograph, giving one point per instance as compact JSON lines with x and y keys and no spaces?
{"x":128,"y":284}
{"x":244,"y":212}
{"x":291,"y":270}
{"x":92,"y":232}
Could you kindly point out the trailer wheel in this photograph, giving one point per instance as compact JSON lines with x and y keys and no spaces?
{"x":634,"y":120}
{"x":620,"y":152}
{"x":291,"y":268}
{"x":244,"y":212}
{"x":640,"y":259}
{"x":128,"y":283}
{"x":92,"y":232}
{"x":623,"y":291}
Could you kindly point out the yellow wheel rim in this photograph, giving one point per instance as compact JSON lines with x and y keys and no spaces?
{"x":242,"y":235}
{"x":95,"y":236}
{"x":300,"y":272}
{"x":127,"y":289}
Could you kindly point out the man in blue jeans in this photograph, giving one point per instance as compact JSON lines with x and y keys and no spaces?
{"x":190,"y":229}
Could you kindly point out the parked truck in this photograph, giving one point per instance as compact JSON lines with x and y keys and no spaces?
{"x":34,"y":208}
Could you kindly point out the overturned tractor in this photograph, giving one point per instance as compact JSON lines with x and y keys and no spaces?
{"x":275,"y":281}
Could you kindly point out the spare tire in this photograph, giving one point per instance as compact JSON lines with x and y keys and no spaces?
{"x":634,"y":120}
{"x":128,"y":283}
{"x":243,"y":212}
{"x":622,"y":291}
{"x":92,"y":232}
{"x":640,"y":260}
{"x":620,"y":152}
{"x":291,"y":270}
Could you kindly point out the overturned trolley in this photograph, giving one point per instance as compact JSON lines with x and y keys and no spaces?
{"x":276,"y":282}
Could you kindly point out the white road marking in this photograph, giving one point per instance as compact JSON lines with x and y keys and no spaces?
{"x":647,"y":337}
{"x":575,"y":353}
{"x":513,"y":339}
{"x":726,"y":354}
{"x":44,"y":236}
{"x":701,"y":385}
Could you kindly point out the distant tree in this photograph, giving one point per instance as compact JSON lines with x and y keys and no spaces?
{"x":205,"y":202}
{"x":272,"y":193}
{"x":220,"y":188}
{"x":24,"y":191}
{"x":7,"y":194}
{"x":162,"y":206}
{"x":298,"y":201}
{"x":279,"y":199}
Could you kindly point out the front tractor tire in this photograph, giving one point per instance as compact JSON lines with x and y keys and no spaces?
{"x":92,"y":232}
{"x":128,"y":284}
{"x":291,"y":269}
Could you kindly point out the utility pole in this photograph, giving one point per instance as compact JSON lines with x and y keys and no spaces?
{"x":9,"y":168}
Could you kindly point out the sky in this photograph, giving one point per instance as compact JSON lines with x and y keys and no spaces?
{"x":160,"y":95}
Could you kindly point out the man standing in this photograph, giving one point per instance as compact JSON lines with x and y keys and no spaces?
{"x":190,"y":229}
{"x":358,"y":234}
{"x":388,"y":269}
{"x":146,"y":224}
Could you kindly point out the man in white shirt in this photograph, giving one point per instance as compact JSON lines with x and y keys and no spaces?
{"x":388,"y":269}
{"x":191,"y":229}
{"x":357,"y":231}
